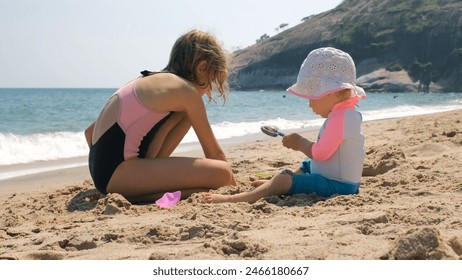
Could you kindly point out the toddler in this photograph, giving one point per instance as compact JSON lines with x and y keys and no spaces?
{"x":335,"y":161}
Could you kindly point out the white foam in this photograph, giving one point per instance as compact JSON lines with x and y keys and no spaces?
{"x":15,"y":149}
{"x":405,"y":111}
{"x":35,"y":170}
{"x":227,"y":130}
{"x":42,"y":146}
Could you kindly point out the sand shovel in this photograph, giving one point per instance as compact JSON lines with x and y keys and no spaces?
{"x":271,"y":131}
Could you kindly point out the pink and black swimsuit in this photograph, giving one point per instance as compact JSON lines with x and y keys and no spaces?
{"x":124,"y":129}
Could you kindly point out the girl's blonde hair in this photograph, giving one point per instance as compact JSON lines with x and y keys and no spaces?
{"x":192,"y":48}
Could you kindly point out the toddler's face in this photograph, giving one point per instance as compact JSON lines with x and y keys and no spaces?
{"x":323,"y":106}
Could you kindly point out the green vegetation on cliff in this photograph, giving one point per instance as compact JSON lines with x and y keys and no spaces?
{"x":424,"y":37}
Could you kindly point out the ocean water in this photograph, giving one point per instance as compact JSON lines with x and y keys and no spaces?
{"x":48,"y":124}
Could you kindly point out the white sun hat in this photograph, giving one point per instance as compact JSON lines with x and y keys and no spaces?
{"x":324,"y":71}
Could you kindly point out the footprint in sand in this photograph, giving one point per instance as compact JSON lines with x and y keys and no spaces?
{"x":427,"y":151}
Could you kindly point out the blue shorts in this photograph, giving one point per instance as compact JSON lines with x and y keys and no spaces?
{"x":308,"y":183}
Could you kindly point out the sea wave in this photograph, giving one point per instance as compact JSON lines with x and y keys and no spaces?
{"x":408,"y":110}
{"x":15,"y":148}
{"x":227,"y":130}
{"x":41,"y":147}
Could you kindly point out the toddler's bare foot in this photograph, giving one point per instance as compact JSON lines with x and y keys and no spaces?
{"x":215,"y":198}
{"x":258,"y":183}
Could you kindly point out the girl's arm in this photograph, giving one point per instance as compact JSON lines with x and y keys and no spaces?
{"x":195,"y":110}
{"x":169,"y":93}
{"x":177,"y":126}
{"x":89,"y":134}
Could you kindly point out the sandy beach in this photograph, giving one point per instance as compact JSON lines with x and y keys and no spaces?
{"x":409,"y":207}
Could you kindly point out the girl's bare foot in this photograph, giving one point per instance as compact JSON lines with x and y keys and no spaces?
{"x":215,"y":198}
{"x":258,"y":183}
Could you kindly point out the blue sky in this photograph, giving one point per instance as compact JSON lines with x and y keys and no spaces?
{"x":104,"y":43}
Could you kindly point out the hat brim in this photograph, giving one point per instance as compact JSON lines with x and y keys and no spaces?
{"x":296,"y":90}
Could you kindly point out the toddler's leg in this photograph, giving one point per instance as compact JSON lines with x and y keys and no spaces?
{"x":278,"y":185}
{"x":258,"y":183}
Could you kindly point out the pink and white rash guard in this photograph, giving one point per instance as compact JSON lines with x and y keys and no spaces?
{"x":338,"y":153}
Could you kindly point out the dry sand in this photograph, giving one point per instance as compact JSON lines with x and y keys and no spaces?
{"x":409,"y":207}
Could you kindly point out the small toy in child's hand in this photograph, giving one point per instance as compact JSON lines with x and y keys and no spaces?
{"x":271,"y":131}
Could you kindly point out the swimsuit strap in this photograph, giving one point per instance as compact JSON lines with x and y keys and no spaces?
{"x":146,"y":73}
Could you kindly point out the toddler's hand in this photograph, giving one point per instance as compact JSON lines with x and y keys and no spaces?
{"x":297,"y":143}
{"x":292,"y":141}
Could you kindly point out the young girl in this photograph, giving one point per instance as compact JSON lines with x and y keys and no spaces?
{"x":335,"y":161}
{"x":145,"y":120}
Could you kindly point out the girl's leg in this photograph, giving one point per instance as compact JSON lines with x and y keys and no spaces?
{"x":278,"y":185}
{"x":176,"y":134}
{"x":169,"y":136}
{"x":147,"y":178}
{"x":185,"y":193}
